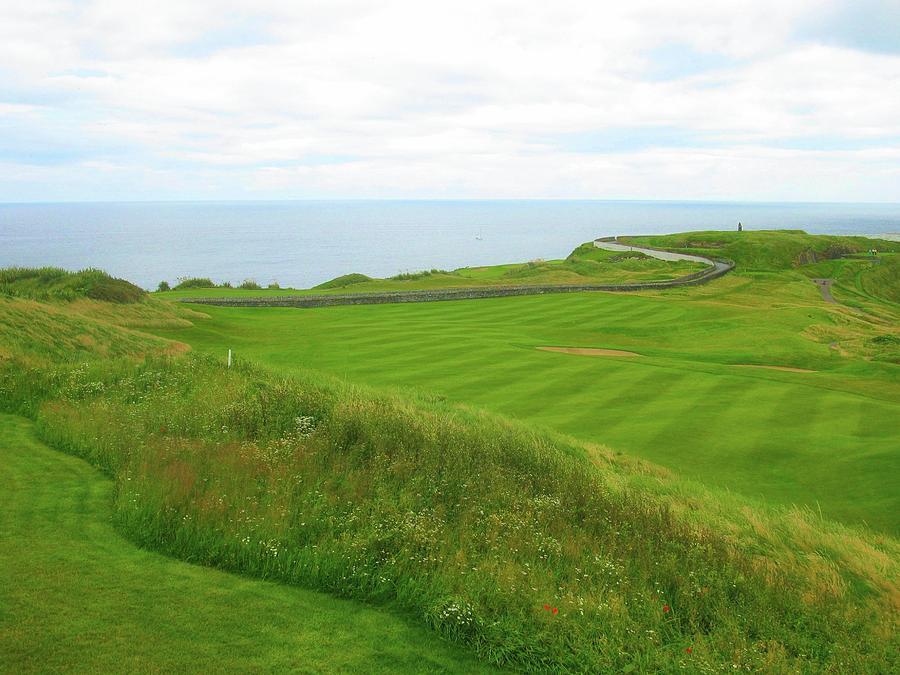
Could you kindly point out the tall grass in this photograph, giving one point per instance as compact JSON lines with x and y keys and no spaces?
{"x":529,"y":549}
{"x":54,"y":283}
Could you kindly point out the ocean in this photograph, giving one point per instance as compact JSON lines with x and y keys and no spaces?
{"x":303,"y":243}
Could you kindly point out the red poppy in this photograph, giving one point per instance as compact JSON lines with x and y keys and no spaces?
{"x":689,"y":650}
{"x":547,"y":608}
{"x":555,"y":610}
{"x":666,"y":609}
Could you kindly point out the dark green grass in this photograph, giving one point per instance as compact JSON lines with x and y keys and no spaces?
{"x":827,"y":439}
{"x":77,"y":597}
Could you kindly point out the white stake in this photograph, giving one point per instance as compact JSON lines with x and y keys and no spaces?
{"x":229,"y":358}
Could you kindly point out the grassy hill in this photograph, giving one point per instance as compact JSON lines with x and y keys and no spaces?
{"x":53,"y":283}
{"x":532,"y":549}
{"x":765,"y":250}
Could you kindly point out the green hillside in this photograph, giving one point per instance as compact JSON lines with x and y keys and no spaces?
{"x":540,"y":543}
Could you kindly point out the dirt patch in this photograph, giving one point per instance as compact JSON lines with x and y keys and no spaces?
{"x":784,"y":368}
{"x":588,"y":351}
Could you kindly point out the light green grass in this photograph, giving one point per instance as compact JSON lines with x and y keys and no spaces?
{"x":826,"y":439}
{"x":77,"y":597}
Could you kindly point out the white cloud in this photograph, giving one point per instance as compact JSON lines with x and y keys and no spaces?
{"x":464,"y":99}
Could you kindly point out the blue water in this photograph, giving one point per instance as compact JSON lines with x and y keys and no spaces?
{"x":300,"y":244}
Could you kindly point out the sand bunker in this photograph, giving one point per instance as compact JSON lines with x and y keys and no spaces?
{"x":785,"y":368}
{"x":588,"y":351}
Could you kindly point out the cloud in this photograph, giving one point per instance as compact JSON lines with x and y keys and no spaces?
{"x":274,"y":99}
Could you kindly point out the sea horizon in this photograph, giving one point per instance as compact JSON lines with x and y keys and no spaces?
{"x":303,"y":242}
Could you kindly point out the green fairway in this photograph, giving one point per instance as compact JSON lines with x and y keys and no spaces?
{"x":827,"y":439}
{"x":76,"y":597}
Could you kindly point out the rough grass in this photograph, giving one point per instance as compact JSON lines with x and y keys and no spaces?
{"x":75,"y":596}
{"x":53,"y":283}
{"x":470,"y":523}
{"x":41,"y":332}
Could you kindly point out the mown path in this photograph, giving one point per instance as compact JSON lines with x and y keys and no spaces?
{"x":75,"y":596}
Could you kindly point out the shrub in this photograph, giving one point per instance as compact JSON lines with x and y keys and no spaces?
{"x":163,"y":286}
{"x":250,"y":285}
{"x":273,"y":286}
{"x":412,"y":276}
{"x":185,"y":283}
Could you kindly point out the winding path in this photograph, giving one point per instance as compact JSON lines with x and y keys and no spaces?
{"x":670,"y":256}
{"x":825,"y":286}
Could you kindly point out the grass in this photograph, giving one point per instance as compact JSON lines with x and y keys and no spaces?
{"x":468,"y":523}
{"x":76,"y":596}
{"x":53,"y":283}
{"x":533,"y":549}
{"x":585,"y":265}
{"x":827,"y":440}
{"x":765,"y":250}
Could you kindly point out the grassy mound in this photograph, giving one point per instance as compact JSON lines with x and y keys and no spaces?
{"x":53,"y":283}
{"x":68,"y":579}
{"x":344,"y":281}
{"x":470,"y":523}
{"x":40,"y":332}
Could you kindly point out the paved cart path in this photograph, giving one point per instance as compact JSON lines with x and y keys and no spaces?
{"x":825,"y":286}
{"x":662,"y":255}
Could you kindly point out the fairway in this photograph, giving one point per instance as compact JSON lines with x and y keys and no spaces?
{"x":827,"y":440}
{"x":76,"y":597}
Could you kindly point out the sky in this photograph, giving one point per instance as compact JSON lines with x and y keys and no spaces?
{"x":768,"y":100}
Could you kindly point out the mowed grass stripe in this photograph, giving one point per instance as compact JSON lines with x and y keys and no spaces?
{"x":75,"y":596}
{"x":623,"y":408}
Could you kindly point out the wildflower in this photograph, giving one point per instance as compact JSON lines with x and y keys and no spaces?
{"x":666,"y":609}
{"x":163,"y":430}
{"x":547,"y":608}
{"x":555,"y":610}
{"x":689,"y":650}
